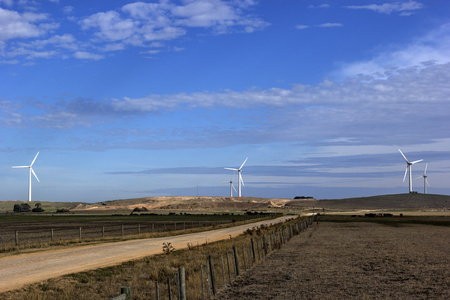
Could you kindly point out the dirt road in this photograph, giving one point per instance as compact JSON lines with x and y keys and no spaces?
{"x":353,"y":261}
{"x":19,"y":270}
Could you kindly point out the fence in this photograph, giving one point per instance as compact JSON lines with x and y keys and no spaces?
{"x":68,"y":232}
{"x":221,"y":270}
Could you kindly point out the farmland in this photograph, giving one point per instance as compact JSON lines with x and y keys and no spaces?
{"x":347,"y":258}
{"x":42,"y":229}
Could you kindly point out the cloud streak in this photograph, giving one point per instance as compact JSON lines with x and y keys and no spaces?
{"x":403,"y":8}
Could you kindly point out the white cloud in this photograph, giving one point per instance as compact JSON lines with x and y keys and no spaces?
{"x":68,"y":9}
{"x":14,"y":25}
{"x":111,"y":26}
{"x":87,"y":55}
{"x":326,"y":25}
{"x":432,"y":48}
{"x":404,"y":8}
{"x":320,"y":6}
{"x":301,"y":27}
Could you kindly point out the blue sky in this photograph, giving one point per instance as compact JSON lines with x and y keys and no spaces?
{"x":129,"y":99}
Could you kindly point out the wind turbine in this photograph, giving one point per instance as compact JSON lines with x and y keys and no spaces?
{"x":239,"y":176}
{"x":408,"y":169}
{"x":231,"y":185}
{"x":31,"y":171}
{"x":425,"y":181}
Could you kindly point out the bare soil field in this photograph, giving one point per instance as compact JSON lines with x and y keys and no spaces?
{"x":355,"y":260}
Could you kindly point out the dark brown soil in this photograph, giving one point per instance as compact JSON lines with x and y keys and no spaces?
{"x":353,"y":261}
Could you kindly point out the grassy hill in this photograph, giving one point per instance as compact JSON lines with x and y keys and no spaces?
{"x":396,"y":201}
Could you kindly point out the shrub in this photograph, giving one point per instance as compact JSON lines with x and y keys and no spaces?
{"x":24,"y":207}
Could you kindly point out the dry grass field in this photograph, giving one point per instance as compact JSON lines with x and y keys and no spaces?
{"x":354,"y":260}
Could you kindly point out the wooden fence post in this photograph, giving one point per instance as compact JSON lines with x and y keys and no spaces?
{"x":249,"y":256}
{"x":264,"y":244}
{"x":123,"y":231}
{"x":52,"y":236}
{"x":169,"y":290}
{"x":243,"y":258}
{"x":182,"y":275}
{"x":223,"y":272}
{"x":229,"y":272}
{"x":236,"y":261}
{"x":139,"y":229}
{"x":213,"y":275}
{"x":156,"y":290}
{"x":103,"y":231}
{"x":207,"y":279}
{"x":17,"y":238}
{"x":80,"y":233}
{"x":253,"y":249}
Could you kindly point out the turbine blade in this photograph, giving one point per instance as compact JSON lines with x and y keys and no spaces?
{"x":406,"y":171}
{"x":240,"y":178}
{"x":15,"y":167}
{"x":426,"y":180}
{"x":34,"y":159}
{"x":425,"y":172}
{"x":416,"y":161}
{"x":234,"y":188}
{"x":32,"y":171}
{"x":403,"y":155}
{"x":231,"y":169}
{"x":243,"y":163}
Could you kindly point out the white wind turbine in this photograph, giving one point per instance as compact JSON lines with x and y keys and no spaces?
{"x":425,"y":181}
{"x":231,"y":185}
{"x":239,"y":176}
{"x":408,"y":169}
{"x":29,"y":179}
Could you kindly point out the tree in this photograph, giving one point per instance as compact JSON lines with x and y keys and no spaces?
{"x":38,"y":208}
{"x":24,"y":207}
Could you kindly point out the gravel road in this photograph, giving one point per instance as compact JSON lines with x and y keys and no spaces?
{"x":22,"y":269}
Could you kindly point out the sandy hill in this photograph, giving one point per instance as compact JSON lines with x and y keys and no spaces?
{"x":398,"y":201}
{"x":185,"y":203}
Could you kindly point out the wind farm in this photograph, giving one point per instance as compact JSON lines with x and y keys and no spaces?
{"x":240,"y":180}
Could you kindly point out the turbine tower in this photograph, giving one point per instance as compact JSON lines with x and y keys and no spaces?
{"x":408,"y":169}
{"x":240,"y":181}
{"x":231,"y":185}
{"x":425,"y":181}
{"x":29,"y":178}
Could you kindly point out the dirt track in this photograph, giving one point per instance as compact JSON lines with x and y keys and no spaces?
{"x":19,"y":270}
{"x":353,"y":261}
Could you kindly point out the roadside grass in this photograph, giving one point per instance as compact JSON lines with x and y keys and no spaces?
{"x":395,"y":221}
{"x":141,"y":275}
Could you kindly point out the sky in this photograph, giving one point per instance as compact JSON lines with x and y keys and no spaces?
{"x":126,"y":99}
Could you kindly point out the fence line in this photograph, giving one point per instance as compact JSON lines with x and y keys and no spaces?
{"x":250,"y":257}
{"x":52,"y":235}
